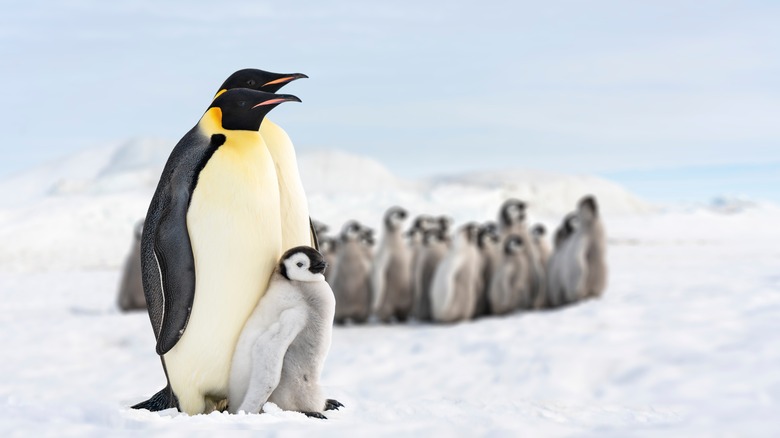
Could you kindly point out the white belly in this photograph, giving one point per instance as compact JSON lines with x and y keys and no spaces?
{"x":234,"y":226}
{"x":294,"y":207}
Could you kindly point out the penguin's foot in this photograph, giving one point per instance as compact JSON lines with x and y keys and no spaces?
{"x":333,"y":405}
{"x":315,"y":415}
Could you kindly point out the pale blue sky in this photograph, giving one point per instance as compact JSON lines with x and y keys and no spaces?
{"x":676,"y":92}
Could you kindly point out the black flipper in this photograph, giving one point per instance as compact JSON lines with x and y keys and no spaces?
{"x":315,"y":243}
{"x":173,"y":251}
{"x":333,"y":405}
{"x":166,"y":254}
{"x":165,"y":399}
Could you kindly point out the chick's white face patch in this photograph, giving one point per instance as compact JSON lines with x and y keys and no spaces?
{"x":297,"y":266}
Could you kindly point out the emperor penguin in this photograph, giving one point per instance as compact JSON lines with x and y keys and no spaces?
{"x":509,"y":286}
{"x":512,"y":220}
{"x":131,"y":289}
{"x":282,"y":348}
{"x":556,"y":264}
{"x":454,"y":289}
{"x":211,"y":240}
{"x":391,"y":277}
{"x":435,"y":246}
{"x":351,"y":279}
{"x":488,"y":243}
{"x":297,"y":227}
{"x":585,"y":268}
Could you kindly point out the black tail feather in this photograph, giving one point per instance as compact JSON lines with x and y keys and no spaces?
{"x":165,"y":399}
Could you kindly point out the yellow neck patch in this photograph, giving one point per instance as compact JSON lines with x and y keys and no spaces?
{"x":211,"y":123}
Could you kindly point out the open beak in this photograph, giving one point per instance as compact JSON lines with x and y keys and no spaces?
{"x":286,"y":79}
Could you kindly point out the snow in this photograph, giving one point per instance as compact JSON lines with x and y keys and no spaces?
{"x":683,"y":343}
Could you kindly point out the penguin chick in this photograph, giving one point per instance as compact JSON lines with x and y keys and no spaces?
{"x":512,"y":220}
{"x":351,"y":277}
{"x":509,"y":286}
{"x":282,"y":348}
{"x":434,"y":247}
{"x":585,"y":259}
{"x":131,"y":289}
{"x":453,"y":293}
{"x":328,"y":246}
{"x":391,"y":270}
{"x":488,"y":242}
{"x":556,"y":265}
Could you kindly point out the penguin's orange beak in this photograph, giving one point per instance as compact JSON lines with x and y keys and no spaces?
{"x":285,"y":79}
{"x":277,"y":100}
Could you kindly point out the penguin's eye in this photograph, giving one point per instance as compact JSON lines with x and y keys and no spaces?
{"x":250,"y":82}
{"x":300,"y":264}
{"x":241,"y":103}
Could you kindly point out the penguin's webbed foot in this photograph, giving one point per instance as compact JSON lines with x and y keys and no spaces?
{"x":333,"y":405}
{"x":315,"y":415}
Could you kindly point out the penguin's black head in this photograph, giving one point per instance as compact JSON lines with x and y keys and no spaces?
{"x":512,"y":211}
{"x":302,"y":263}
{"x":513,"y":244}
{"x":394,"y":217}
{"x":487,"y":232}
{"x":539,"y":230}
{"x":319,"y":227}
{"x":588,"y":207}
{"x":471,"y":232}
{"x":444,"y":223}
{"x":351,"y":231}
{"x":570,"y":223}
{"x":367,"y":236}
{"x":244,"y":109}
{"x":422,"y":222}
{"x":260,"y":80}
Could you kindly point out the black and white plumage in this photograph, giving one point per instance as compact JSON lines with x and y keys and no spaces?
{"x":282,"y":348}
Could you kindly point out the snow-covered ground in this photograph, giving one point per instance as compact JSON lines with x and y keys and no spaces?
{"x":684,"y":342}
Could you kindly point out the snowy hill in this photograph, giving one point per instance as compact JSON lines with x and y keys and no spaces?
{"x":78,"y":212}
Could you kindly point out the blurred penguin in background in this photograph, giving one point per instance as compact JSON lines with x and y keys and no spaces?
{"x":391,"y":278}
{"x":555,"y":266}
{"x":512,"y":220}
{"x":351,"y":278}
{"x":131,"y":289}
{"x":488,"y":243}
{"x":509,"y":286}
{"x":454,"y":289}
{"x":542,"y":252}
{"x":435,"y":246}
{"x":328,"y":247}
{"x":585,"y":266}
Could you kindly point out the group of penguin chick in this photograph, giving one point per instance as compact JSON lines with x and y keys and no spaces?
{"x":429,"y":274}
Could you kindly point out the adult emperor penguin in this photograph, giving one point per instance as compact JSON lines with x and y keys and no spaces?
{"x":585,"y":268}
{"x":131,"y":289}
{"x":351,"y":279}
{"x":391,"y":277}
{"x":297,"y":227}
{"x":512,"y":220}
{"x":454,"y":289}
{"x":509,"y":286}
{"x":281,"y":351}
{"x":435,"y":246}
{"x":211,"y":239}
